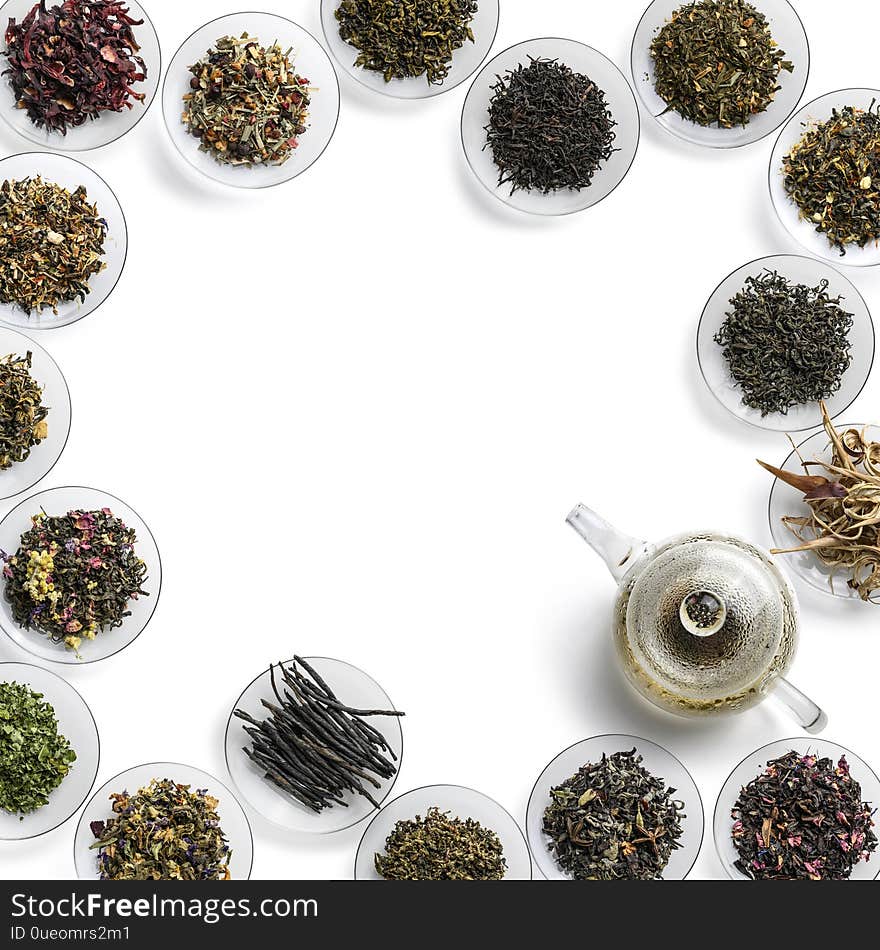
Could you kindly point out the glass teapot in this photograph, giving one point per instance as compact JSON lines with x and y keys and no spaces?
{"x":704,"y":623}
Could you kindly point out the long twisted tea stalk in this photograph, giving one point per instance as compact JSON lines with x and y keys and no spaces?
{"x":843,"y":528}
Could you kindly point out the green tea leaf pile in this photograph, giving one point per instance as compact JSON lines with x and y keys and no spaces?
{"x":404,"y":39}
{"x":34,"y":756}
{"x":715,"y":61}
{"x":51,"y":244}
{"x":74,"y":575}
{"x":440,"y":848}
{"x":22,"y":413}
{"x":164,"y":832}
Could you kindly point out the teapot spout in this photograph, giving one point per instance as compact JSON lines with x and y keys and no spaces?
{"x":618,"y":551}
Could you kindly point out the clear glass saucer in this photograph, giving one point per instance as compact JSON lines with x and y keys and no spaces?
{"x":70,"y":174}
{"x":657,"y":760}
{"x":108,"y":642}
{"x":77,"y":724}
{"x":803,"y":232}
{"x":310,"y":61}
{"x":582,"y":59}
{"x":233,"y":820}
{"x":465,"y":61}
{"x":753,"y":765}
{"x":460,"y":802}
{"x":787,"y":30}
{"x":798,"y":270}
{"x":56,"y":397}
{"x":109,"y":126}
{"x":788,"y":501}
{"x":354,"y":688}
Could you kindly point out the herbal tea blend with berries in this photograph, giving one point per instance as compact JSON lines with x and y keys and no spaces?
{"x":74,"y":575}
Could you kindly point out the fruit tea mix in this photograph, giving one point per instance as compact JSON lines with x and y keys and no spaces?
{"x":72,"y":62}
{"x":74,"y":575}
{"x":22,"y":413}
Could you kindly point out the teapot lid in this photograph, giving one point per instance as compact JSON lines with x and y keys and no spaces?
{"x":708,"y":616}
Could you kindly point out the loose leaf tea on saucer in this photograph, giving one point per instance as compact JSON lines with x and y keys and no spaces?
{"x":440,"y":848}
{"x":74,"y":575}
{"x":71,"y":62}
{"x":246,"y":105}
{"x":843,"y":527}
{"x":832,"y":174}
{"x":22,"y":413}
{"x":403,"y":39}
{"x":613,"y":820}
{"x":165,"y":832}
{"x":51,"y":244}
{"x":549,"y":128}
{"x":314,"y":747}
{"x":802,"y":818}
{"x":785,"y":344}
{"x":716,"y":62}
{"x":35,"y":757}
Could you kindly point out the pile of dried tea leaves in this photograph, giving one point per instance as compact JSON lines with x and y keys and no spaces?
{"x":22,"y":413}
{"x":716,"y":62}
{"x":440,"y":848}
{"x":613,"y":820}
{"x":246,"y":105}
{"x":832,"y":174}
{"x":843,"y":527}
{"x":51,"y":244}
{"x":549,"y":128}
{"x":785,"y":344}
{"x":74,"y":575}
{"x":71,"y":62}
{"x":403,"y":39}
{"x":802,"y":818}
{"x":165,"y":832}
{"x":34,"y":756}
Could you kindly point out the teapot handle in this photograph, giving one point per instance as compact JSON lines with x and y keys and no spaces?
{"x":810,"y":717}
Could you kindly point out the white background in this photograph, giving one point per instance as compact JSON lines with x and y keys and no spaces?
{"x":355,"y":410}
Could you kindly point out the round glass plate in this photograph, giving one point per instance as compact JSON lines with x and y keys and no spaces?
{"x":76,"y":723}
{"x":353,"y":688}
{"x":805,"y":233}
{"x":109,"y":126}
{"x":70,"y":174}
{"x":460,"y":802}
{"x":798,"y":270}
{"x":56,"y":397}
{"x":787,"y":30}
{"x":660,"y":763}
{"x":581,"y":59}
{"x":309,"y":60}
{"x":753,"y":765}
{"x":788,"y":501}
{"x":56,"y":501}
{"x":465,"y":60}
{"x":233,"y":820}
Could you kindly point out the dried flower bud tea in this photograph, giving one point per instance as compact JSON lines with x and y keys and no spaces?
{"x":802,"y":818}
{"x":785,"y":344}
{"x":22,"y":413}
{"x":71,"y":62}
{"x":314,"y":747}
{"x":165,"y":832}
{"x":613,"y":820}
{"x":440,"y":848}
{"x":74,"y":575}
{"x":35,"y":757}
{"x":246,"y":105}
{"x":549,"y":128}
{"x":404,"y":39}
{"x":716,"y":62}
{"x":51,"y":244}
{"x":832,"y":174}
